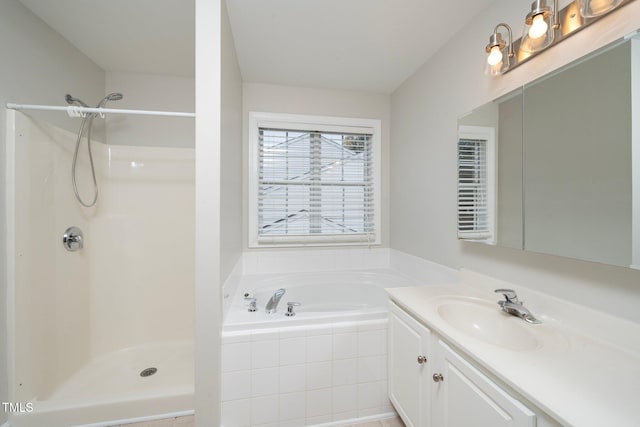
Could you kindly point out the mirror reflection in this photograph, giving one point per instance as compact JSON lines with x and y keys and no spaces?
{"x":565,"y":147}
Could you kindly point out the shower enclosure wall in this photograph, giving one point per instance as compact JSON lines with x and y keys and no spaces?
{"x":85,"y":324}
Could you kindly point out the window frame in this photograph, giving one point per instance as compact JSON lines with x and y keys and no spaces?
{"x":302,"y":122}
{"x":488,"y":135}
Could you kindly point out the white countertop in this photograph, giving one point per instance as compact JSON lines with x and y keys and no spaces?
{"x":585,"y":373}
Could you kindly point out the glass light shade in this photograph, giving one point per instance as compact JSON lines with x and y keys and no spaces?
{"x":539,"y":34}
{"x":593,"y":8}
{"x":497,"y":61}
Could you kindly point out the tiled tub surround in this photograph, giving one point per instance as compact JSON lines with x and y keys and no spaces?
{"x":326,"y":365}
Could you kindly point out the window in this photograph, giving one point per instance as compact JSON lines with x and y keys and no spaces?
{"x":313,"y":180}
{"x":476,"y":184}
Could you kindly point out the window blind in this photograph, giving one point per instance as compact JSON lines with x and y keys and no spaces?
{"x":474,"y":208}
{"x":315,"y":186}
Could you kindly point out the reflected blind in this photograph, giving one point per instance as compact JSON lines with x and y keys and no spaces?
{"x":473,"y":190}
{"x":315,"y":186}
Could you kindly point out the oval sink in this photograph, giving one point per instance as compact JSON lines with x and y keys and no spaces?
{"x":486,"y":322}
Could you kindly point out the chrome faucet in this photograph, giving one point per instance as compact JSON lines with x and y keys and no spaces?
{"x":513,"y":306}
{"x":272,"y":304}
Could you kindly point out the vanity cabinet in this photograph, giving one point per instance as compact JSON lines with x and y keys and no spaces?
{"x":445,"y":390}
{"x":408,"y":359}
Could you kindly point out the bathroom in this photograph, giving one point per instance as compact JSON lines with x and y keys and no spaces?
{"x":169,"y":252}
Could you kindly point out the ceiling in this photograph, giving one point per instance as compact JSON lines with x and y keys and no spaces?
{"x":371,"y":45}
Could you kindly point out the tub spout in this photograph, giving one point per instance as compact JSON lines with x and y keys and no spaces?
{"x":272,"y":305}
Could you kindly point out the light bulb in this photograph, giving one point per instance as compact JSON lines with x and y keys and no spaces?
{"x":538,"y":27}
{"x":495,"y":56}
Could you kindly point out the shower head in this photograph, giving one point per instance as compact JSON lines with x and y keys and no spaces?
{"x":74,"y":101}
{"x":110,"y":97}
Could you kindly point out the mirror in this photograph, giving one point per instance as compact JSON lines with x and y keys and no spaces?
{"x":566,"y":184}
{"x":501,"y":118}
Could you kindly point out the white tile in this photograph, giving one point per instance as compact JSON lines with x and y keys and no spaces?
{"x":293,"y":332}
{"x":372,"y":369}
{"x":265,"y":354}
{"x":267,"y":425}
{"x":319,"y":403}
{"x":372,"y":325}
{"x":372,"y":343}
{"x":293,"y":423}
{"x":293,"y":406}
{"x":321,"y":329}
{"x":313,"y":421}
{"x":319,"y":348}
{"x":235,"y":337}
{"x":264,"y":410}
{"x":345,"y":399}
{"x":236,"y":413}
{"x":370,"y":395}
{"x":345,"y":416}
{"x":236,"y":385}
{"x":318,"y":375}
{"x":345,"y":372}
{"x":264,"y":381}
{"x":345,"y":327}
{"x":293,"y":351}
{"x":265,"y":334}
{"x":368,"y":412}
{"x":345,"y":346}
{"x":293,"y":378}
{"x":236,"y":357}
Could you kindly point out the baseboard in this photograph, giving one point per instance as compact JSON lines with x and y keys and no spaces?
{"x":356,"y":421}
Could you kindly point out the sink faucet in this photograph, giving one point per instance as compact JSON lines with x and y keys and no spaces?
{"x":512,"y":305}
{"x":272,"y":304}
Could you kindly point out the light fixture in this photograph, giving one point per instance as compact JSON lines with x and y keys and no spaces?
{"x":545,"y":26}
{"x":540,"y":25}
{"x":593,"y":8}
{"x":499,"y":52}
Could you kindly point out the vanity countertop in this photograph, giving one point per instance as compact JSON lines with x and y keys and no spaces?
{"x":585,"y":371}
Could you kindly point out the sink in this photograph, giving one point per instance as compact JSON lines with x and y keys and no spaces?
{"x":485,"y":321}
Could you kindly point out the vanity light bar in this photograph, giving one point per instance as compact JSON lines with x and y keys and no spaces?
{"x":569,"y":22}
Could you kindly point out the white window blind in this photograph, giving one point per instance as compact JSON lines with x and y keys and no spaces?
{"x":476,"y":188}
{"x":315,"y":186}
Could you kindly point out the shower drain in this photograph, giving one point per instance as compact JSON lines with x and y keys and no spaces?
{"x":148,"y":372}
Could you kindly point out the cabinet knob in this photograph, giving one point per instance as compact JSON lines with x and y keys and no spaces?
{"x":438,"y":377}
{"x":422,"y":359}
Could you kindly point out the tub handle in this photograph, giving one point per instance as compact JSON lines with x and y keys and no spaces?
{"x":290,"y":306}
{"x":252,"y":304}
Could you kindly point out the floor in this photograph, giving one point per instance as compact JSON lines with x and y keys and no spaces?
{"x":189,"y":422}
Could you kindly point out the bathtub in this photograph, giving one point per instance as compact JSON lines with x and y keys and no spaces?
{"x":324,"y":366}
{"x":324,"y":296}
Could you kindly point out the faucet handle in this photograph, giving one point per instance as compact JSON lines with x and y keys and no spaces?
{"x":252,"y":304}
{"x":509,"y":294}
{"x":290,"y":306}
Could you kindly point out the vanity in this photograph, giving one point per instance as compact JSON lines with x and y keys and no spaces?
{"x":456,"y":359}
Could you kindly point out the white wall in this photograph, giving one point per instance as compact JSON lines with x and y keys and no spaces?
{"x":425,"y":110}
{"x":321,"y":102}
{"x":231,"y":152}
{"x":209,"y":18}
{"x":151,"y":92}
{"x":40,"y":67}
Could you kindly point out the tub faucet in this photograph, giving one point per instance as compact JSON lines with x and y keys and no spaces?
{"x":513,"y":306}
{"x":272,"y":304}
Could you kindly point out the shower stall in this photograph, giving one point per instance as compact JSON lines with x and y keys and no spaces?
{"x":101,"y":325}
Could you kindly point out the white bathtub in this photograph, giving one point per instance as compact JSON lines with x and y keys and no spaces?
{"x":324,"y":366}
{"x":324,"y":296}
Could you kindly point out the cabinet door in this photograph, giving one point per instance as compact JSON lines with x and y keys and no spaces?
{"x":466,"y":397}
{"x":408,"y":378}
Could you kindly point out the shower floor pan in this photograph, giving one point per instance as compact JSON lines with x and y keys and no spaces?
{"x":120,"y":386}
